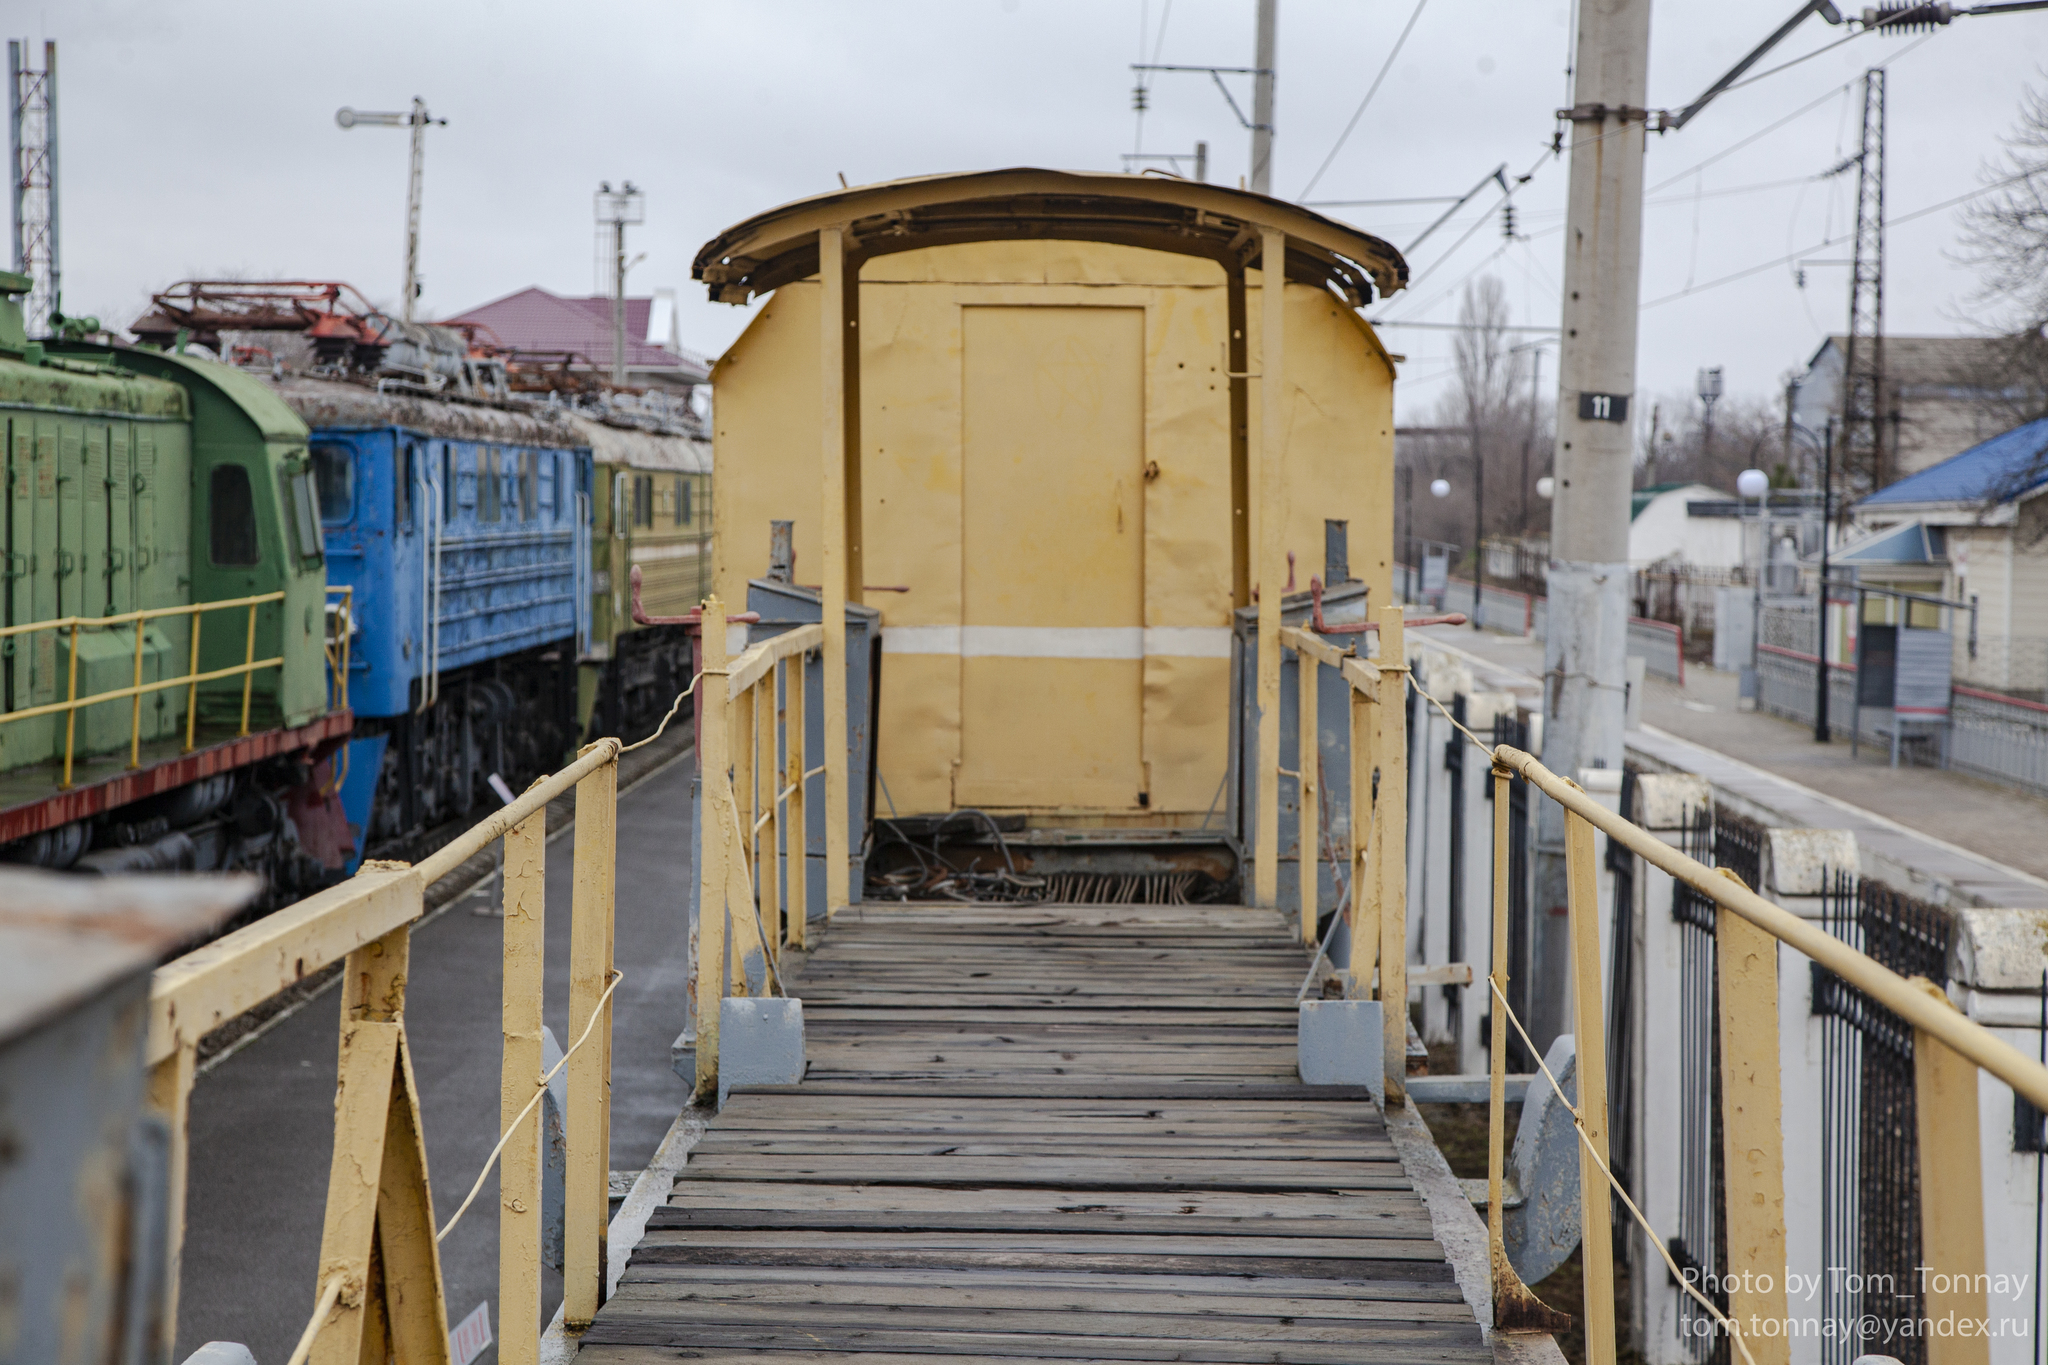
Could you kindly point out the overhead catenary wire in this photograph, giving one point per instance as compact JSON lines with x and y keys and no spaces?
{"x":1370,"y":91}
{"x":1840,"y":237}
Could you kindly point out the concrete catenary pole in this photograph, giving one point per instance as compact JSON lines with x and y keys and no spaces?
{"x":1584,"y":656}
{"x":1262,"y":98}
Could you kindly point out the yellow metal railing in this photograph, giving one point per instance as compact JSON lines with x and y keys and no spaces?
{"x":379,"y":1290}
{"x":1948,"y":1050}
{"x":137,"y":689}
{"x":751,"y":855}
{"x":336,"y":639}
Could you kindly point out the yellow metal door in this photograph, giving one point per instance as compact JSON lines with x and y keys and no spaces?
{"x":1052,"y":628}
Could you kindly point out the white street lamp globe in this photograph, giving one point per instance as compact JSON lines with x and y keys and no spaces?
{"x":1752,"y":483}
{"x":1546,"y":487}
{"x":1440,"y":488}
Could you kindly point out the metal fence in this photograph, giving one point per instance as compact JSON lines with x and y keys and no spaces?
{"x":1661,"y":645}
{"x":1504,"y":609}
{"x":2002,"y":738}
{"x":1870,"y":1186}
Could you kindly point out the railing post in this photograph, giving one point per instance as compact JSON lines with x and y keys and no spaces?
{"x":71,"y":711}
{"x":1308,"y":762}
{"x":1596,"y":1228}
{"x":1272,"y":568}
{"x":1753,"y":1142}
{"x":586,"y":1193}
{"x":135,"y":702}
{"x":797,"y":826}
{"x":1951,"y":1194}
{"x":1497,"y":1038}
{"x":839,"y":352}
{"x":1365,"y":934}
{"x":378,"y":1232}
{"x":1515,"y":1309}
{"x":746,"y":802}
{"x":248,"y":665}
{"x":520,"y":1168}
{"x":192,"y":690}
{"x":169,"y":1098}
{"x":713,"y":794}
{"x":768,"y":784}
{"x":1390,"y":858}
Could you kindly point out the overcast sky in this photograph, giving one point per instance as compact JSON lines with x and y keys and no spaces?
{"x":198,"y":137}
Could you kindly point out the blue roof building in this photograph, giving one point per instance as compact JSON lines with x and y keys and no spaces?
{"x":1973,"y":527}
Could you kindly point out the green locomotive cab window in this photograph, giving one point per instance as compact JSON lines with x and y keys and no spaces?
{"x":302,"y":509}
{"x":334,"y":478}
{"x":683,"y":510}
{"x":231,"y":516}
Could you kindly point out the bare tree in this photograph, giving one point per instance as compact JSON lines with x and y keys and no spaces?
{"x":2005,"y":236}
{"x":1487,"y":433}
{"x":1748,"y":433}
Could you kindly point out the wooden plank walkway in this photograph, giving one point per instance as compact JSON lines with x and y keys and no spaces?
{"x":1032,"y":1133}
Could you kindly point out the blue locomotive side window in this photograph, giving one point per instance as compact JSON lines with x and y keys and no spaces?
{"x":405,"y":466}
{"x":334,"y":478}
{"x":452,"y":485}
{"x":545,"y":466}
{"x":529,"y":492}
{"x":231,"y":514}
{"x":487,"y":486}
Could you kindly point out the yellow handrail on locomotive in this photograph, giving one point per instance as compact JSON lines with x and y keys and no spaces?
{"x":337,"y":650}
{"x":190,"y":680}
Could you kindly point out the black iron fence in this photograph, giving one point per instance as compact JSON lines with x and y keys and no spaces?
{"x":1870,"y":1190}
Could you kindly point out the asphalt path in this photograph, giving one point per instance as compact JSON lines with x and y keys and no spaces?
{"x":262,"y":1120}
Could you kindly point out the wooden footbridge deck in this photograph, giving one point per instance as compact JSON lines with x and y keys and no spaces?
{"x":1034,"y":1133}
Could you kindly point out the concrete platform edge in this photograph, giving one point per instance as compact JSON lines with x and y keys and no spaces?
{"x":1462,"y":1235}
{"x":650,"y":1191}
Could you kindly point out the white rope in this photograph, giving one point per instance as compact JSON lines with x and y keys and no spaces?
{"x":1578,"y":1122}
{"x":538,"y":1091}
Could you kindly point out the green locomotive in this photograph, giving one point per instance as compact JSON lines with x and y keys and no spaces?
{"x":165,"y":695}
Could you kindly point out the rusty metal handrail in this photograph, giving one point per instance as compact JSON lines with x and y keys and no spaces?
{"x":136,"y":690}
{"x":1865,"y":973}
{"x":744,"y":872}
{"x":1948,"y":1052}
{"x":378,"y":1203}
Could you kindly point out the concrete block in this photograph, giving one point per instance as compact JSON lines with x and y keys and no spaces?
{"x":1339,"y":1042}
{"x":1665,"y":800}
{"x":1542,"y":1233}
{"x":221,"y":1353}
{"x":2001,"y":950}
{"x":1803,"y":859}
{"x":760,"y":1042}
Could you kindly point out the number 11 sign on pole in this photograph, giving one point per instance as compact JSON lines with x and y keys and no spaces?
{"x":1603,"y":407}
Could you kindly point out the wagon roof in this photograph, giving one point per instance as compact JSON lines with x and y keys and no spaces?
{"x":1188,"y":217}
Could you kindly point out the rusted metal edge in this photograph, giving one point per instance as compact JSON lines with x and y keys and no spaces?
{"x":61,"y":808}
{"x":1516,"y":1308}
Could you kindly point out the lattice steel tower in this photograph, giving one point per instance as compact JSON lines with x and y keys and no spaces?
{"x":1863,"y":376}
{"x":32,"y":179}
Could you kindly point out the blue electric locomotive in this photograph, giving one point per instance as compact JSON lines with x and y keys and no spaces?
{"x":463,"y":529}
